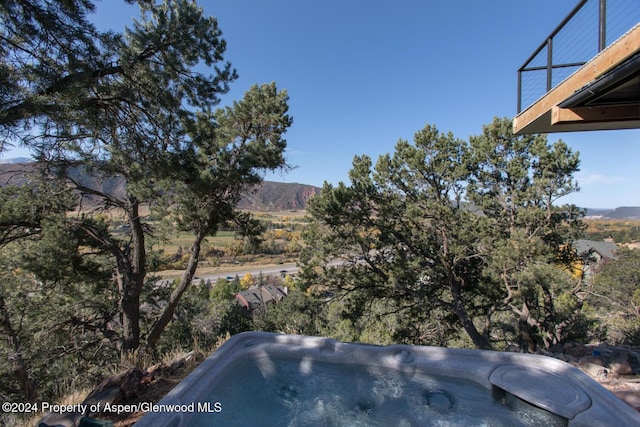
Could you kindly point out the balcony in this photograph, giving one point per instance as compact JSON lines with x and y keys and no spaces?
{"x":586,"y":73}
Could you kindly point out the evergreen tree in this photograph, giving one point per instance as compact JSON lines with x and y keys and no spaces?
{"x":57,"y":305}
{"x":525,"y":236}
{"x":231,"y":151}
{"x":138,"y":106}
{"x":445,"y":230}
{"x":615,"y":294}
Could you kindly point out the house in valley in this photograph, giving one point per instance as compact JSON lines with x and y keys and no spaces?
{"x":260,"y":296}
{"x":593,"y":253}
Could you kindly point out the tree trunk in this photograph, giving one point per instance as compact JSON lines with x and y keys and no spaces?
{"x":131,"y":281}
{"x":19,"y":365}
{"x":479,"y":340}
{"x":187,"y":277}
{"x":529,"y":343}
{"x":130,"y":311}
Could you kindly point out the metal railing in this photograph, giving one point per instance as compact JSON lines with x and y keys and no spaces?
{"x":588,"y":29}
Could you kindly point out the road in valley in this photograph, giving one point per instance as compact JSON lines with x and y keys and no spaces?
{"x":267,"y":270}
{"x":288,"y":268}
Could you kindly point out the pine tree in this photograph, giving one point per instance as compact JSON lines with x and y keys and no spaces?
{"x":455,"y":233}
{"x":138,"y":106}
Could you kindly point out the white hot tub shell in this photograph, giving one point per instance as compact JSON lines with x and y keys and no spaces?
{"x":559,"y":390}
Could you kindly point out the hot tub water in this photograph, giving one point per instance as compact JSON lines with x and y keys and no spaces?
{"x":264,"y":379}
{"x":289,"y":394}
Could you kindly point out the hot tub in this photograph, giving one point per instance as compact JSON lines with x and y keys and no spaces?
{"x":259,"y":378}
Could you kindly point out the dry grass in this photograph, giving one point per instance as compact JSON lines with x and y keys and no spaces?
{"x":606,"y":224}
{"x":222,"y":239}
{"x":280,"y":215}
{"x":161,"y":385}
{"x":165,"y":383}
{"x":72,"y":398}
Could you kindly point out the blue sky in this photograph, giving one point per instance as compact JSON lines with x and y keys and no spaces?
{"x":362,"y":74}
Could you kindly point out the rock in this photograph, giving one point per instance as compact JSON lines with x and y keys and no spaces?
{"x":112,"y":390}
{"x":128,"y":386}
{"x":117,"y":388}
{"x":565,"y":358}
{"x":634,"y":361}
{"x":557,"y":348}
{"x":602,"y":352}
{"x":173,"y":366}
{"x":131,"y":384}
{"x":630,"y":398}
{"x":574,"y":349}
{"x":594,"y":360}
{"x":612,"y":367}
{"x":69,"y":419}
{"x":571,"y":359}
{"x":109,"y":393}
{"x":620,"y":367}
{"x":513,"y":349}
{"x":596,"y":371}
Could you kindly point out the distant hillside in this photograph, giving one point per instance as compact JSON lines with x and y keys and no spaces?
{"x":279,"y":196}
{"x":13,"y":173}
{"x":624,"y":212}
{"x":15,"y":160}
{"x":597,"y":212}
{"x":270,"y":196}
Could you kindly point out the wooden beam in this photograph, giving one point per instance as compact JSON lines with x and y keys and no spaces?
{"x":535,"y":119}
{"x":594,"y":114}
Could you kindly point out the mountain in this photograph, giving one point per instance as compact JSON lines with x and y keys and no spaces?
{"x":15,"y":160}
{"x":279,"y":196}
{"x":14,"y":173}
{"x":270,"y":196}
{"x":596,"y":213}
{"x":623,"y":212}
